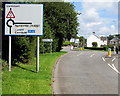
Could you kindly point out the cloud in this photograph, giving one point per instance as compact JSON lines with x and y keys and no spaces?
{"x":90,"y":15}
{"x":91,"y":1}
{"x":99,"y":1}
{"x":100,"y":17}
{"x":93,"y":24}
{"x":108,"y":30}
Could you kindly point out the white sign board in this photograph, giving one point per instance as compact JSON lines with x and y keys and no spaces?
{"x":47,"y":40}
{"x":23,"y":19}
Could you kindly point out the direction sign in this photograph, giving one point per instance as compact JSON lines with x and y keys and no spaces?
{"x":47,"y":40}
{"x":23,"y":19}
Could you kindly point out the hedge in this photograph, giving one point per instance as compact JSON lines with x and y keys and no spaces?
{"x":95,"y":48}
{"x":66,"y":43}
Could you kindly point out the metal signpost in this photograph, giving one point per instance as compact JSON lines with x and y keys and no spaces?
{"x":37,"y":67}
{"x":48,"y":40}
{"x":9,"y":53}
{"x":24,"y":19}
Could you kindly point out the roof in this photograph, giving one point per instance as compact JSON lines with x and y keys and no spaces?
{"x":96,"y":36}
{"x":115,"y":39}
{"x":103,"y":38}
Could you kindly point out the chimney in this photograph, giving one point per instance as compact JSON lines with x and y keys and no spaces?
{"x":93,"y":33}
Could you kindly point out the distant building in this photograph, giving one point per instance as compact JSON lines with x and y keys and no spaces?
{"x":74,"y":40}
{"x":94,"y":38}
{"x":115,"y":41}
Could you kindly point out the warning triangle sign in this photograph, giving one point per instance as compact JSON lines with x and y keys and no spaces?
{"x":10,"y":14}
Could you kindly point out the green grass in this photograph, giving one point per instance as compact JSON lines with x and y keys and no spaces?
{"x":25,"y":80}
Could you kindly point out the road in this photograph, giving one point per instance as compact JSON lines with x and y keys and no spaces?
{"x":86,"y":72}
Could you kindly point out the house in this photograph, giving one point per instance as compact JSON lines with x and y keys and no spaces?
{"x":115,"y":41}
{"x":94,"y":38}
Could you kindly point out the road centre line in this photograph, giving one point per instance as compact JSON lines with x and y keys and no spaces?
{"x":92,"y":55}
{"x":114,"y":68}
{"x":79,"y":54}
{"x":103,"y":58}
{"x":113,"y":59}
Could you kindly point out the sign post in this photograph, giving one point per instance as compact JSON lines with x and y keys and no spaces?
{"x":37,"y":68}
{"x":20,"y":21}
{"x":43,"y":47}
{"x":9,"y":53}
{"x":51,"y":47}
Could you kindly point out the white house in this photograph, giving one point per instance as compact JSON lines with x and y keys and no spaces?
{"x":115,"y":41}
{"x":94,"y":38}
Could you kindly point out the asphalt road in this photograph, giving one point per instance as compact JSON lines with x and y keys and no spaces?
{"x":86,"y":72}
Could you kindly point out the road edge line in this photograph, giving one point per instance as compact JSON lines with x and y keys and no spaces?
{"x":54,"y":69}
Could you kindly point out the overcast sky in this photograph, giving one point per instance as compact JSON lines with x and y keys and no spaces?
{"x":100,"y":16}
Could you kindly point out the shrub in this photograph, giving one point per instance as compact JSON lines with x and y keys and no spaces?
{"x":108,"y":46}
{"x":94,"y":44}
{"x":3,"y":64}
{"x":94,"y":48}
{"x":66,"y":43}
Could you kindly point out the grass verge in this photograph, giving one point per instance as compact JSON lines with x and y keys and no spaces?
{"x":24,"y":80}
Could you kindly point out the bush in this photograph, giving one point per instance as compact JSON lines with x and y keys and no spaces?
{"x":4,"y":64}
{"x":94,"y":44}
{"x":94,"y":48}
{"x":23,"y":48}
{"x":108,"y":46}
{"x":66,"y":43}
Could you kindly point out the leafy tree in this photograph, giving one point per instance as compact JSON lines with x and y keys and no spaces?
{"x":62,"y":19}
{"x":82,"y":40}
{"x":110,"y":37}
{"x":118,"y":36}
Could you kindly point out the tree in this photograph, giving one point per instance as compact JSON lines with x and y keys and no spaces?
{"x":62,"y":18}
{"x":94,"y":44}
{"x":110,"y":37}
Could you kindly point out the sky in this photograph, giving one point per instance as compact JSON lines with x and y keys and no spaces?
{"x":99,"y":16}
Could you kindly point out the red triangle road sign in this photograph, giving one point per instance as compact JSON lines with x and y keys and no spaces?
{"x":10,"y":14}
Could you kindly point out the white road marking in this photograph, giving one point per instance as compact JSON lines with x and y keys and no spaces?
{"x":79,"y":54}
{"x":103,"y":58}
{"x":113,"y":59}
{"x":92,"y":55}
{"x":114,"y":68}
{"x":110,"y":66}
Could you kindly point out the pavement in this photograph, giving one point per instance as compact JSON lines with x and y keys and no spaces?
{"x":86,"y":72}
